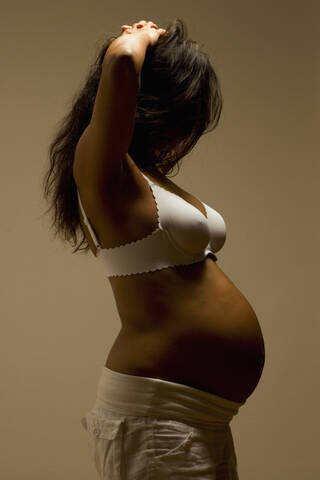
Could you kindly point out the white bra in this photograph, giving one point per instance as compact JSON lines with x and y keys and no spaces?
{"x":183,"y":236}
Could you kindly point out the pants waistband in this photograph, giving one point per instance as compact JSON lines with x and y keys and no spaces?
{"x":144,"y":396}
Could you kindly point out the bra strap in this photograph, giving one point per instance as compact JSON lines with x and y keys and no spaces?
{"x":148,"y":179}
{"x":87,"y":222}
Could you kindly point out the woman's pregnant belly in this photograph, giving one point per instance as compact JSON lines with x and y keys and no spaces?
{"x":206,"y":336}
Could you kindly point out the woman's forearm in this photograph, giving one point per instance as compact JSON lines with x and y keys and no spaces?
{"x":133,"y":46}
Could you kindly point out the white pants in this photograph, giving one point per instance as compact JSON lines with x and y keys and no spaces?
{"x":144,"y":428}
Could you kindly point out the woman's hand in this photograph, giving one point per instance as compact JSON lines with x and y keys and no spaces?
{"x":148,"y":29}
{"x":134,"y":41}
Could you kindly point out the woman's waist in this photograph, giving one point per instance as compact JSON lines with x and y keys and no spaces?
{"x":223,"y":318}
{"x":187,"y":352}
{"x":199,"y":294}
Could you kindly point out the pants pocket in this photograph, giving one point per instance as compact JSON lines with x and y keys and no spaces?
{"x":170,"y":438}
{"x":106,"y":443}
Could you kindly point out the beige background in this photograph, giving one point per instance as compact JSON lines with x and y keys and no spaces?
{"x":259,"y":169}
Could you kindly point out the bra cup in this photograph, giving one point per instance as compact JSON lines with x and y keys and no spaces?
{"x":217,"y":229}
{"x":186,"y":227}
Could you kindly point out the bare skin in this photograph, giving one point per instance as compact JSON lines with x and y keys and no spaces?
{"x":187,"y":324}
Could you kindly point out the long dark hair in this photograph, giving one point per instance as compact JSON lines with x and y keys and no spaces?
{"x":180,"y":100}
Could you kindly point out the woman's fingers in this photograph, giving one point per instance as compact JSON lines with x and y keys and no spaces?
{"x":141,"y":24}
{"x":145,"y":25}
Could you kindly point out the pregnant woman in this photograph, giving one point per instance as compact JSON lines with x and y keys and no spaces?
{"x":190,"y":350}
